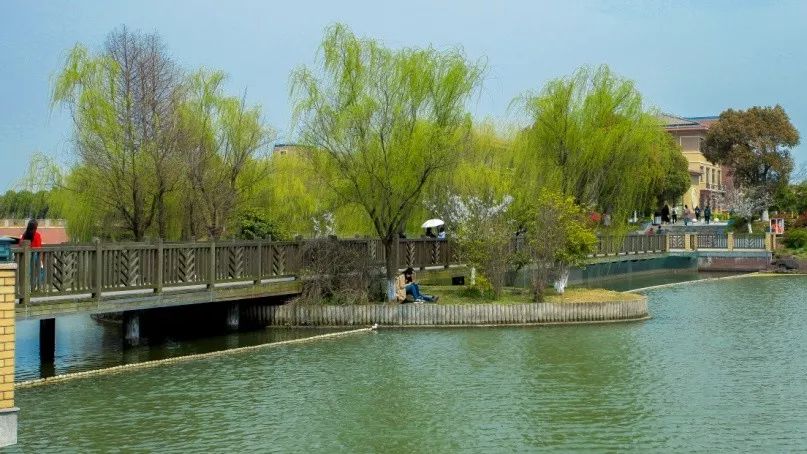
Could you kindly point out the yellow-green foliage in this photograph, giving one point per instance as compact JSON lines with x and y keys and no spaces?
{"x":591,"y":138}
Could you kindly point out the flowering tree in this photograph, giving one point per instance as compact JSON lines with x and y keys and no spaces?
{"x":484,"y":232}
{"x":745,"y":202}
{"x":558,"y":238}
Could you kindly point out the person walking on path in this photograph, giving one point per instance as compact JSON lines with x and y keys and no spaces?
{"x":707,"y":214}
{"x":698,"y":213}
{"x":37,"y":260}
{"x":665,"y":214}
{"x":674,"y":214}
{"x":687,"y":215}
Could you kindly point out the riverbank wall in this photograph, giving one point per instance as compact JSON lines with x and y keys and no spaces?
{"x":401,"y":315}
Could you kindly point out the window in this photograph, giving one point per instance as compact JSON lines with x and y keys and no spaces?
{"x":691,"y":143}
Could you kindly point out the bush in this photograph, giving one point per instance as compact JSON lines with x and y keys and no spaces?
{"x":481,"y":289}
{"x":796,"y":239}
{"x":338,"y":272}
{"x":257,"y":225}
{"x":801,"y":221}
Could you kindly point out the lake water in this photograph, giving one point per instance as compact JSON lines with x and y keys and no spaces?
{"x":721,"y":366}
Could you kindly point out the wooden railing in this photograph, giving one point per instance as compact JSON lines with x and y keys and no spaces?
{"x":103,"y":268}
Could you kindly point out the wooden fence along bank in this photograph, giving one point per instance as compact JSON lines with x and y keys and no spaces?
{"x":400,"y":315}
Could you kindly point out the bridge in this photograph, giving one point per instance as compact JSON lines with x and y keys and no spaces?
{"x":115,"y":277}
{"x":127,"y":278}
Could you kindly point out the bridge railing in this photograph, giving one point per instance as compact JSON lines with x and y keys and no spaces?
{"x":611,"y":245}
{"x":115,"y":267}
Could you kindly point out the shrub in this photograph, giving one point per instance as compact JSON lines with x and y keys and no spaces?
{"x":801,"y":221}
{"x":481,"y":288}
{"x":796,"y":239}
{"x":257,"y":225}
{"x":337,"y":272}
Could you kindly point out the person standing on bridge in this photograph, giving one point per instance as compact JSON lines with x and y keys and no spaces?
{"x":37,"y":260}
{"x":707,"y":214}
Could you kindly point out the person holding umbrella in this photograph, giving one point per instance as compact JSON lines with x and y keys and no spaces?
{"x":432,"y":224}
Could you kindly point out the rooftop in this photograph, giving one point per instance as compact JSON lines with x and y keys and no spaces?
{"x":670,"y":121}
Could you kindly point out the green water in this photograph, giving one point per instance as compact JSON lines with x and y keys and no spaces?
{"x":722,"y":366}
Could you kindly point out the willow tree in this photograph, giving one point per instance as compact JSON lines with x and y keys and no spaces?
{"x":591,"y":138}
{"x":123,"y":101}
{"x":387,"y":120}
{"x":222,"y":141}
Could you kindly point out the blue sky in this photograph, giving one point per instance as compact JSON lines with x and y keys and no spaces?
{"x":688,"y":58}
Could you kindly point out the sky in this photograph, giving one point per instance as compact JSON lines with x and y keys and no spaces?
{"x":688,"y":58}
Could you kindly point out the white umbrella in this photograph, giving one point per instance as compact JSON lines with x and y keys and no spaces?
{"x":432,"y":223}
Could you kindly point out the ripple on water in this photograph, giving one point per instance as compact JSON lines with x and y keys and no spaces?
{"x":721,"y":366}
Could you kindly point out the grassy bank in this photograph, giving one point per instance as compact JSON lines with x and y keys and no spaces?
{"x":461,"y":295}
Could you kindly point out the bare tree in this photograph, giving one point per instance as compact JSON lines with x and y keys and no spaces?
{"x":123,"y":101}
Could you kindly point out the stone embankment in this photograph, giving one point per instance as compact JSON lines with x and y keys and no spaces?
{"x":403,"y":315}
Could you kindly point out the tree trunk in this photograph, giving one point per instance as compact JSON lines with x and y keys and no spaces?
{"x":390,"y":264}
{"x":562,"y":280}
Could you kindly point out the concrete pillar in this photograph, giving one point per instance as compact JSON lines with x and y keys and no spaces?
{"x":131,"y":329}
{"x":687,"y":242}
{"x":730,"y":241}
{"x":47,"y":340}
{"x":233,"y":317}
{"x":8,"y":412}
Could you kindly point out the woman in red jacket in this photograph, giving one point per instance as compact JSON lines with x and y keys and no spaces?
{"x":37,"y":260}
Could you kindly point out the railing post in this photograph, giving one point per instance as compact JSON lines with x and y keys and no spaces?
{"x":211,"y":276}
{"x":158,"y":279}
{"x":730,"y":241}
{"x":259,"y":266}
{"x":769,"y":241}
{"x":26,"y":272}
{"x":687,"y":243}
{"x":98,"y":272}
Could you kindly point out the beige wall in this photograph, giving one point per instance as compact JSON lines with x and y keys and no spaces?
{"x":709,"y":176}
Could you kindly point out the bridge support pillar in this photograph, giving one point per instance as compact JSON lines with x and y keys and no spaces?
{"x":233,"y":317}
{"x":131,"y":329}
{"x":47,"y":341}
{"x":8,"y":412}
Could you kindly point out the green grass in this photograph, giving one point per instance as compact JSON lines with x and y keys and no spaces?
{"x":459,"y":295}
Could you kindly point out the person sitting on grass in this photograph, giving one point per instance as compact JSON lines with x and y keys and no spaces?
{"x":405,"y":285}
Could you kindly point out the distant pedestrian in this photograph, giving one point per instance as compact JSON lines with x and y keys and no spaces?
{"x":707,"y":214}
{"x":37,"y":260}
{"x":687,"y":215}
{"x":441,"y":233}
{"x":665,"y":214}
{"x":698,"y":213}
{"x":430,"y":233}
{"x":674,"y":214}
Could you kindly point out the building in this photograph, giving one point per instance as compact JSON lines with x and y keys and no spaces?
{"x":708,"y":179}
{"x":53,"y":231}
